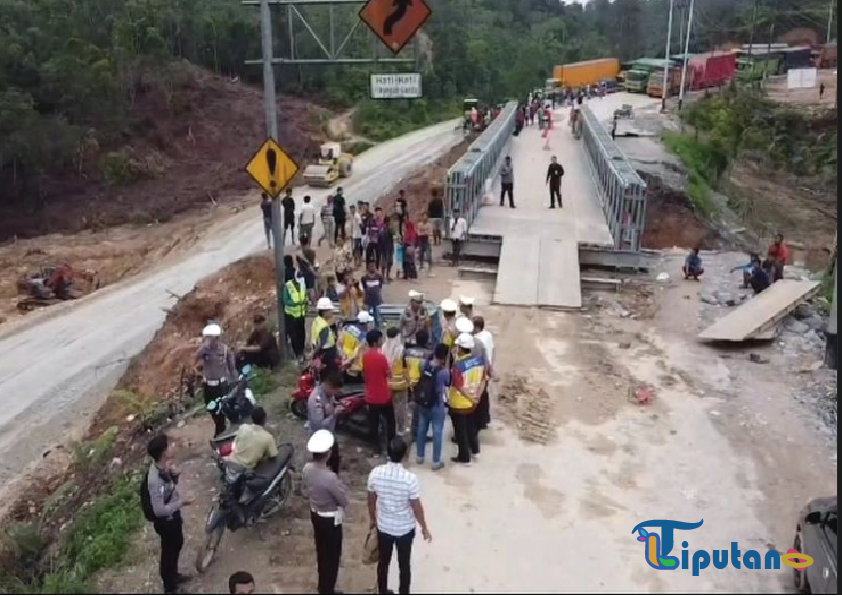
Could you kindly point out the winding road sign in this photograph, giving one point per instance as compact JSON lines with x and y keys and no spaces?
{"x":395,"y":22}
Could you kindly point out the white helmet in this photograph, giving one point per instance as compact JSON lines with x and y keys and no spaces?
{"x":415,"y":295}
{"x":466,"y":341}
{"x":212,"y":330}
{"x":321,"y":441}
{"x":364,"y":317}
{"x":464,"y":325}
{"x":324,"y":304}
{"x":448,"y":305}
{"x":466,"y":301}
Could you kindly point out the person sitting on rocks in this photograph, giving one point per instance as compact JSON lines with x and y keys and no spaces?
{"x":693,"y":265}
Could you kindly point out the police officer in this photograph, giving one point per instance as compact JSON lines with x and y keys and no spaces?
{"x":217,"y":364}
{"x":163,"y":509}
{"x":295,"y":312}
{"x":323,"y":336}
{"x":328,"y":498}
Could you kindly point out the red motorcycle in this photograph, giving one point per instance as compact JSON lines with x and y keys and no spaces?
{"x":351,"y":408}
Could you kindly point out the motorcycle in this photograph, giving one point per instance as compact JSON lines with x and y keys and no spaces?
{"x":236,"y":405}
{"x":247,"y":497}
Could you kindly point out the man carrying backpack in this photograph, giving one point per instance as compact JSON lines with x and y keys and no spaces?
{"x":430,"y":403}
{"x":162,"y":505}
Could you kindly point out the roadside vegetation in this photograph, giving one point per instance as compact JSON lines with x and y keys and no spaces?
{"x":741,"y":125}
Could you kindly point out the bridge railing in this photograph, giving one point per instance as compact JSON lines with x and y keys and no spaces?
{"x":621,"y":190}
{"x":466,"y":180}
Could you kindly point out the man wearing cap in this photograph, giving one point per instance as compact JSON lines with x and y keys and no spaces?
{"x":466,"y":306}
{"x":328,"y":498}
{"x":467,"y":378}
{"x":217,"y":364}
{"x":448,"y":323}
{"x":352,"y":345}
{"x":323,"y":336}
{"x":414,"y":317}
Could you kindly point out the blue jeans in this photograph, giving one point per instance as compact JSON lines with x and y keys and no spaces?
{"x":426,"y":417}
{"x":374,"y":311}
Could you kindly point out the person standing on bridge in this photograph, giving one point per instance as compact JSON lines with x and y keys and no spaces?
{"x":458,"y":234}
{"x":507,"y":183}
{"x":554,"y":175}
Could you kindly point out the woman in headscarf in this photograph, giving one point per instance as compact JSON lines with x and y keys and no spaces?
{"x":393,"y":349}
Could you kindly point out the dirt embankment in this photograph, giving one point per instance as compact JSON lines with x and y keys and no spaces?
{"x":188,"y":141}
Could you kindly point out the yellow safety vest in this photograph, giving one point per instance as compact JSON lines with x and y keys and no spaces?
{"x":415,"y":359}
{"x":448,"y":332}
{"x":319,"y":324}
{"x":298,"y":299}
{"x":400,"y":379}
{"x":352,"y":338}
{"x":473,"y":372}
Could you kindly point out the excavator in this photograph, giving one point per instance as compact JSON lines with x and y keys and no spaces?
{"x":51,"y":285}
{"x":332,"y":165}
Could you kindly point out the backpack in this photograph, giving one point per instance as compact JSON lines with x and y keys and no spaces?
{"x":146,"y":499}
{"x":425,"y":391}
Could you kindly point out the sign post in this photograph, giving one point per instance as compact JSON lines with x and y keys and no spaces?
{"x":402,"y":85}
{"x":395,"y":22}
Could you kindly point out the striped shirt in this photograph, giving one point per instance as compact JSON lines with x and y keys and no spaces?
{"x":395,"y":487}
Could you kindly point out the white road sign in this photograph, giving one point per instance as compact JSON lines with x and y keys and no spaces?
{"x":402,"y":85}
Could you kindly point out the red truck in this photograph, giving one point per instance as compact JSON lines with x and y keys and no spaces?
{"x":712,"y":69}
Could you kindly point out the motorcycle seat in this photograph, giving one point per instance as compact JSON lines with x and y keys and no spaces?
{"x":267,"y":470}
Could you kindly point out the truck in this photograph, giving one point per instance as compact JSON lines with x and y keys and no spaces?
{"x":588,"y":73}
{"x":712,"y":69}
{"x":655,"y":85}
{"x":637,"y":78}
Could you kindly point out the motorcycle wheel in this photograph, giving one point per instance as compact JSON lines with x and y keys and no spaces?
{"x":277,"y":502}
{"x":298,"y":408}
{"x":207,"y":552}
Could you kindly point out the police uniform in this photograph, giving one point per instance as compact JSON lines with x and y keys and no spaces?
{"x":328,"y":497}
{"x":219,"y":368}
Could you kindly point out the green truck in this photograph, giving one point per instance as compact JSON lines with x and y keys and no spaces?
{"x":636,"y":79}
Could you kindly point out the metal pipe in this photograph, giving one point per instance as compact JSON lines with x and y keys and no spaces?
{"x":686,"y":51}
{"x":667,"y":59}
{"x":270,"y":106}
{"x":831,"y":354}
{"x":829,"y":19}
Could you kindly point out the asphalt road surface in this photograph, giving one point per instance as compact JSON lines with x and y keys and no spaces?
{"x":57,"y":369}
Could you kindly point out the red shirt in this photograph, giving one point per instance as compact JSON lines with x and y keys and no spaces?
{"x":778,"y":252}
{"x":410,"y":234}
{"x":376,"y":377}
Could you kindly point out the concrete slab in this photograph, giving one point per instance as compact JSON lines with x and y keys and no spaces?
{"x":519,"y":270}
{"x":559,"y":282}
{"x":761,"y":312}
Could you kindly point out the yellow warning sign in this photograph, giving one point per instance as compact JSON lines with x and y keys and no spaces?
{"x":272,"y":168}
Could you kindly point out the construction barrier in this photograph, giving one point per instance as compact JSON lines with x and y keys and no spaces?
{"x":467,"y":179}
{"x":621,"y":190}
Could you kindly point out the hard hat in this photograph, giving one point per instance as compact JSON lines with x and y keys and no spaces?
{"x":466,"y":301}
{"x":448,"y":305}
{"x":324,"y":304}
{"x":466,"y":341}
{"x":321,"y":441}
{"x":464,"y":325}
{"x":364,"y":317}
{"x":415,"y":295}
{"x":212,"y":330}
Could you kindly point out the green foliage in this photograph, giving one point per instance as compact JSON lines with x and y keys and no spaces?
{"x":96,"y":452}
{"x":99,"y":538}
{"x":381,"y":121}
{"x":262,"y":382}
{"x":704,"y":162}
{"x":357,"y":147}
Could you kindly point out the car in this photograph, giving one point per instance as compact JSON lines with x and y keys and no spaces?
{"x":815,"y":536}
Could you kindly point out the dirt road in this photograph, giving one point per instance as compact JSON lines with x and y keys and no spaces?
{"x":55,"y":371}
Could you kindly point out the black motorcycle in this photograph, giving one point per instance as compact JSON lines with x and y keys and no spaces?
{"x":238,"y":404}
{"x":246,"y":496}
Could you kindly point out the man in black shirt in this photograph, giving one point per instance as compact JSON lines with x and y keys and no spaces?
{"x":289,"y":216}
{"x":266,"y":208}
{"x":554,"y":175}
{"x":435,"y":213}
{"x":339,"y":215}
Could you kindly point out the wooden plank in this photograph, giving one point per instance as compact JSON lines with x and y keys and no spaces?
{"x":517,"y":273}
{"x":761,"y":311}
{"x":558,"y":274}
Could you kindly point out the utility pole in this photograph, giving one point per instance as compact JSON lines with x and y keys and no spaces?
{"x":667,"y":61}
{"x":270,"y":106}
{"x":829,"y":19}
{"x":686,"y":51}
{"x":751,"y":33}
{"x":769,"y":47}
{"x":831,"y":354}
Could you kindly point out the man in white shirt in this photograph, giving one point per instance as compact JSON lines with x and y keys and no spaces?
{"x":458,"y":234}
{"x":306,"y":219}
{"x":356,"y":236}
{"x":483,"y":410}
{"x":394,"y":509}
